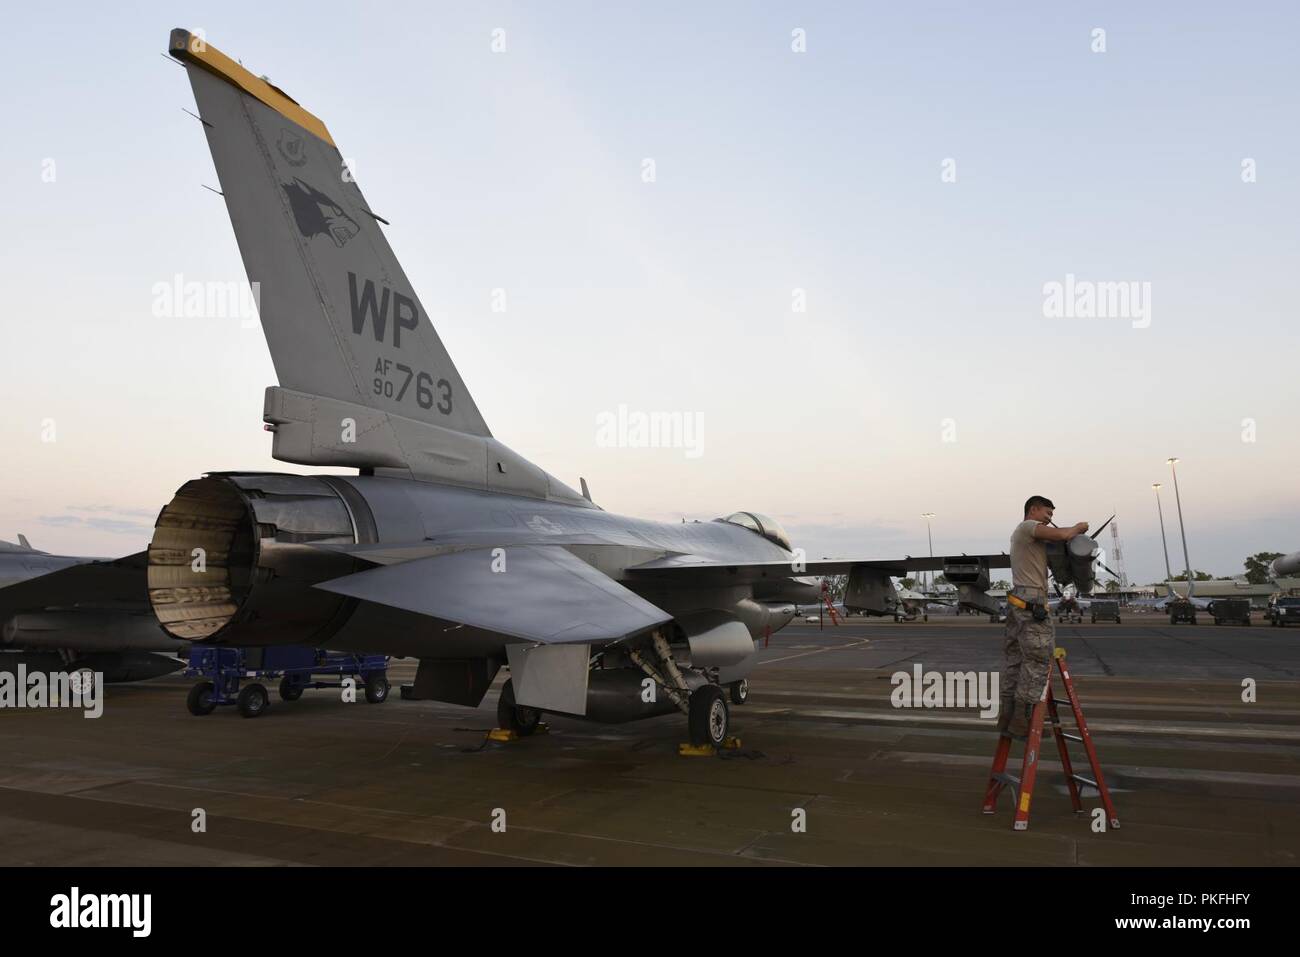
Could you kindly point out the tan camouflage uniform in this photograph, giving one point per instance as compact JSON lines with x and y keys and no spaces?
{"x":1027,"y":651}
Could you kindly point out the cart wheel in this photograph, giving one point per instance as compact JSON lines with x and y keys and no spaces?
{"x":377,"y":687}
{"x":522,"y":720}
{"x":199,"y":700}
{"x":288,"y":690}
{"x":253,"y":700}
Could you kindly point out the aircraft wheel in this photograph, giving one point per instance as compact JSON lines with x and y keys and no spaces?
{"x":288,"y":690}
{"x":522,"y":720}
{"x":253,"y":700}
{"x":377,"y":687}
{"x":740,"y":691}
{"x":199,"y":700}
{"x":709,"y":718}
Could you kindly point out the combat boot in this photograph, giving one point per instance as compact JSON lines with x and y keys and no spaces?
{"x":1006,"y":706}
{"x":1019,"y":724}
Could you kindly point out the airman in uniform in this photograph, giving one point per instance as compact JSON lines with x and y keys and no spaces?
{"x":1031,"y":637}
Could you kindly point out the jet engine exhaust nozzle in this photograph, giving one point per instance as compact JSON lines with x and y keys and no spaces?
{"x":232,"y":560}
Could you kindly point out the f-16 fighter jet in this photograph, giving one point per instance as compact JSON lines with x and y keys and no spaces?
{"x":62,"y":613}
{"x":442,"y":544}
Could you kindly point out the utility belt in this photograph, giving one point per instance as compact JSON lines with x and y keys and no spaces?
{"x":1036,"y":606}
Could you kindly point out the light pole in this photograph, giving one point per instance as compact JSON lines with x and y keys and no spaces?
{"x":1187,"y":561}
{"x":1169,"y":574}
{"x":929,"y":537}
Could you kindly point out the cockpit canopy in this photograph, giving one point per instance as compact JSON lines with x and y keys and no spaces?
{"x":769,"y":528}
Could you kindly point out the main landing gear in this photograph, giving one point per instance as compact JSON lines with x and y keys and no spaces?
{"x":522,"y":720}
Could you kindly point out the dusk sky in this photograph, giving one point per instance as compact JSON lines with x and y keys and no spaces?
{"x":840,"y":272}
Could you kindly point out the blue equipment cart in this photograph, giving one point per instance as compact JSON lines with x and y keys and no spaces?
{"x":222,"y":670}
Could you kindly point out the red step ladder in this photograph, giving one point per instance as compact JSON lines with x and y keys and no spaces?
{"x":830,"y":605}
{"x":1024,"y":785}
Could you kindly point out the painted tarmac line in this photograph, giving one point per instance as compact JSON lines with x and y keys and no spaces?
{"x":1220,"y":711}
{"x":819,"y":651}
{"x":870,"y":717}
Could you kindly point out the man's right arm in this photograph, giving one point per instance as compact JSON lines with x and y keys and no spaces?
{"x":1050,"y":533}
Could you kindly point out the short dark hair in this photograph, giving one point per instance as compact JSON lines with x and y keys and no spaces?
{"x":1037,"y":500}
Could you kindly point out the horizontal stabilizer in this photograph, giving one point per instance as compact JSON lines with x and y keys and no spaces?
{"x":119,"y":583}
{"x":539,"y":593}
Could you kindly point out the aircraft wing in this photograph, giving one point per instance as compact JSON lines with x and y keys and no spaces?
{"x":538,"y":593}
{"x":398,"y":553}
{"x":687,"y":566}
{"x":86,"y":584}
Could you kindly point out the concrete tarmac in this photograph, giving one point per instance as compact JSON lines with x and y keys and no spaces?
{"x":1199,"y":776}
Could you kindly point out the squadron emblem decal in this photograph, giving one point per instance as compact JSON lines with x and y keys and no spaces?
{"x":291,"y":147}
{"x":317,"y":214}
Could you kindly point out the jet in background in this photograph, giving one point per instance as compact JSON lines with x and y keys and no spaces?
{"x":1162,"y":604}
{"x":62,"y":613}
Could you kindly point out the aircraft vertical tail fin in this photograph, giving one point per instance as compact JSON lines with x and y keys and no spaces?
{"x":340,"y":317}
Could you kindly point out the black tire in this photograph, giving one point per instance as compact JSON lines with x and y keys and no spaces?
{"x":377,"y":687}
{"x":710,"y":718}
{"x":253,"y":700}
{"x":288,"y":690}
{"x":521,"y":720}
{"x":199,"y":700}
{"x":740,"y":691}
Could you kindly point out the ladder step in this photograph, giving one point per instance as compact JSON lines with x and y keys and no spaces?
{"x":1071,"y":737}
{"x":1088,"y":781}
